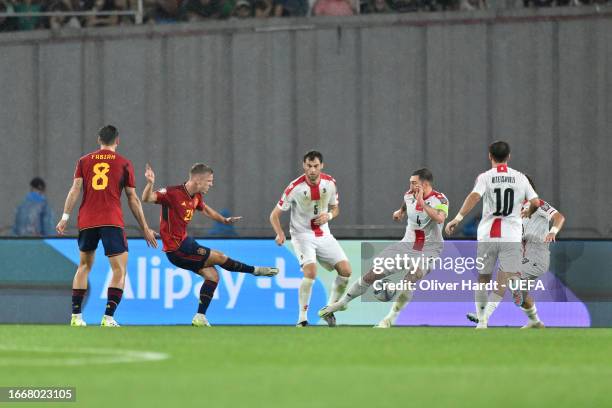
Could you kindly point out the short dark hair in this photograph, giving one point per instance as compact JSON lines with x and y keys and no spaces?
{"x":38,"y":184}
{"x":313,"y":154}
{"x":200,"y":168}
{"x":531,"y":182}
{"x":424,"y":174}
{"x":500,"y":151}
{"x":108,"y":134}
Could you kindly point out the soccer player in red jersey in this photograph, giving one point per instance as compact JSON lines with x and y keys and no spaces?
{"x":178,"y":206}
{"x":103,"y":175}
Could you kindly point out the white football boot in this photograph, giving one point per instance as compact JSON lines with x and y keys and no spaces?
{"x":109,"y":321}
{"x":200,"y":320}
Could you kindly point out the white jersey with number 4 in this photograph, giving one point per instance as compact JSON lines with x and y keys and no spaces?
{"x":420,"y":229}
{"x":306,"y":202}
{"x":503,"y":191}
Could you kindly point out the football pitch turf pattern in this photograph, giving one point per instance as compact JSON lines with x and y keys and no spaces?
{"x":244,"y":366}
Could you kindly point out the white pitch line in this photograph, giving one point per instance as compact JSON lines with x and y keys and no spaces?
{"x":92,"y":356}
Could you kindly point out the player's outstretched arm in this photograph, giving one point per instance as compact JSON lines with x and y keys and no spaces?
{"x":468,"y":205}
{"x":558,"y":220}
{"x":71,"y":199}
{"x":276,"y":225}
{"x":148,"y":194}
{"x":136,"y":208}
{"x":215,"y":215}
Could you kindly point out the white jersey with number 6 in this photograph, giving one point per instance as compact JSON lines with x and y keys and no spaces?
{"x":503,"y":191}
{"x":306,"y":202}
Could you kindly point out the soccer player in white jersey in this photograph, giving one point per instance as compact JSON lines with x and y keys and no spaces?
{"x":536,"y":254}
{"x":313,"y":201}
{"x":425,"y":210}
{"x":503,"y":190}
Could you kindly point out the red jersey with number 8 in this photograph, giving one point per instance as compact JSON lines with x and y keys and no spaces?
{"x":105,"y":173}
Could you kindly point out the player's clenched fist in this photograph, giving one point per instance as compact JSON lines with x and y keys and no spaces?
{"x":398,"y":215}
{"x":280,"y":239}
{"x":451,"y":226}
{"x":61,"y":227}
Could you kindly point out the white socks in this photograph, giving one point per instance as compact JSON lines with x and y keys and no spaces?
{"x":357,"y":289}
{"x":480,"y":300}
{"x":492,"y":304}
{"x":304,"y":298}
{"x":532,"y":313}
{"x":337,"y":289}
{"x":403,"y":299}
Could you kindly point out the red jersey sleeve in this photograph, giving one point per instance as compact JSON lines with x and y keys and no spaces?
{"x":78,"y":171}
{"x":161,"y":197}
{"x":129,"y":175}
{"x":200,"y":206}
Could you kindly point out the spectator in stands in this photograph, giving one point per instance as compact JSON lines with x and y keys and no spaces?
{"x":28,"y":6}
{"x":7,"y":23}
{"x":243,"y":9}
{"x":125,"y":5}
{"x":197,"y":10}
{"x":34,"y":216}
{"x":263,"y":8}
{"x":333,"y":8}
{"x":101,"y":21}
{"x":57,"y":22}
{"x":167,"y":11}
{"x":377,"y":7}
{"x":290,"y":8}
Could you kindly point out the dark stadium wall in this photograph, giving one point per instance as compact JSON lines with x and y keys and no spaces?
{"x":379,"y":96}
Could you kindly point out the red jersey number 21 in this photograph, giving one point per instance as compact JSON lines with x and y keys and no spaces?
{"x":100,"y":179}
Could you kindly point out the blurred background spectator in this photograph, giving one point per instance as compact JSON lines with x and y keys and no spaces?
{"x":243,"y":9}
{"x":197,"y":10}
{"x":174,"y":11}
{"x":57,"y":22}
{"x":263,"y":8}
{"x":7,"y":23}
{"x":34,"y":216}
{"x":28,"y":6}
{"x":291,"y":8}
{"x":376,"y":6}
{"x":333,"y":8}
{"x":100,"y":21}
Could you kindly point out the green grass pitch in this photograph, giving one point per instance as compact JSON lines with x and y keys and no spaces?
{"x":312,"y":367}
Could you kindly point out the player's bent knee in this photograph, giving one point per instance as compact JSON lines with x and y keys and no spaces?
{"x":209,"y":273}
{"x":343,"y":268}
{"x":310,"y":270}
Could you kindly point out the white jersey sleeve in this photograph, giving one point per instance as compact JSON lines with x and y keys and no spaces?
{"x":531,"y":194}
{"x":284,"y":204}
{"x":481,"y":185}
{"x":546,"y":210}
{"x":333,"y":194}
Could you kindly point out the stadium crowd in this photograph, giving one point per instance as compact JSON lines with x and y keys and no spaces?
{"x":174,"y":11}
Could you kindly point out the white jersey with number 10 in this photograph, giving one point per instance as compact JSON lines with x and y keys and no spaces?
{"x":503,"y":191}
